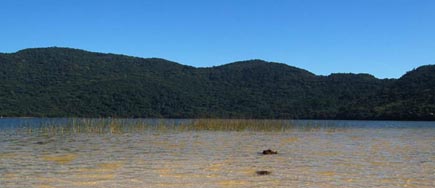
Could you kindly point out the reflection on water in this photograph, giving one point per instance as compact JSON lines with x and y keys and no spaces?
{"x":335,"y":154}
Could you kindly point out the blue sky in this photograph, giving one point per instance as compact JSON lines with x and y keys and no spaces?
{"x":385,"y":38}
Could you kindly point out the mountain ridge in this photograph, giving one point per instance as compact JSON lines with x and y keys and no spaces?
{"x":158,"y":58}
{"x":66,"y":82}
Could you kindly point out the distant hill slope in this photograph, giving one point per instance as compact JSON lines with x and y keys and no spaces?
{"x":75,"y":83}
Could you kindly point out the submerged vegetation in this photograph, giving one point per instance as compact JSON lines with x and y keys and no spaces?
{"x":62,"y":82}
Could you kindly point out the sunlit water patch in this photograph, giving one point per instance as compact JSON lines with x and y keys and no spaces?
{"x":160,"y":154}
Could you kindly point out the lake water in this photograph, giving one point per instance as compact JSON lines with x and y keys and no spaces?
{"x":310,"y":154}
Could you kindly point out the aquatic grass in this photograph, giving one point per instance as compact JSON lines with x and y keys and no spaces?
{"x":233,"y":125}
{"x":121,"y":126}
{"x":60,"y":159}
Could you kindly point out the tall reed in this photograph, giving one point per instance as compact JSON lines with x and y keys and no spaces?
{"x":119,"y":126}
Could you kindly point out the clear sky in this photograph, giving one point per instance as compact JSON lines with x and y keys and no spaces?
{"x":385,"y":38}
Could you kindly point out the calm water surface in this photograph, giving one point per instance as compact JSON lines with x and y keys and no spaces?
{"x":329,"y":154}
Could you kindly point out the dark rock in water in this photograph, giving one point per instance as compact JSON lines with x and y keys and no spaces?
{"x":40,"y":142}
{"x":44,"y":141}
{"x":263,"y":172}
{"x":269,"y":152}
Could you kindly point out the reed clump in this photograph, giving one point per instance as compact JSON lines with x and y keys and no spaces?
{"x":119,"y":126}
{"x":237,"y":125}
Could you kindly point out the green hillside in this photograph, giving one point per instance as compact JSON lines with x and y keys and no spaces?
{"x":62,"y":82}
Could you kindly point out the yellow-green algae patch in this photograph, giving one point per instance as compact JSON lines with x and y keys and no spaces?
{"x":60,"y":159}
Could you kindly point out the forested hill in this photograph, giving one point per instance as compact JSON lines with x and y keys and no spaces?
{"x":63,"y":82}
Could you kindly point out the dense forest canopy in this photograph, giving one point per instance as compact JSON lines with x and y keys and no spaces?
{"x":63,"y":82}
